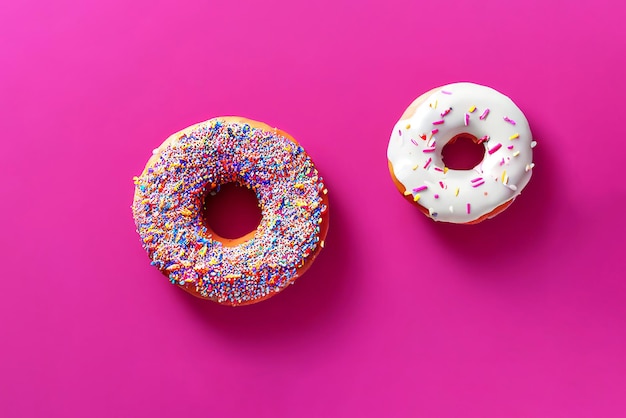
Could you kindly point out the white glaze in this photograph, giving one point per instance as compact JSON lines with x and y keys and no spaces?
{"x":511,"y":161}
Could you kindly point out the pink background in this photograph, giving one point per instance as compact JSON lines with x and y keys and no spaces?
{"x":524,"y":315}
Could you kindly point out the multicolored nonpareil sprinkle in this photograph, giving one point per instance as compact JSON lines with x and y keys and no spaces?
{"x":168,"y":201}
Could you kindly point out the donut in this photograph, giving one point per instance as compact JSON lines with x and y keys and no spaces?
{"x":169,"y":197}
{"x":439,"y":118}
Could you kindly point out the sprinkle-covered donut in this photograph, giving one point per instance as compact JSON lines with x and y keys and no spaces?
{"x":440,"y":117}
{"x":169,"y":196}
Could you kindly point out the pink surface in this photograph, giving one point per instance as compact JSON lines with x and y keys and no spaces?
{"x":524,"y":315}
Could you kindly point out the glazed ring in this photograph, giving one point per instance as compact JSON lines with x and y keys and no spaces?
{"x":169,"y":196}
{"x":443,"y":115}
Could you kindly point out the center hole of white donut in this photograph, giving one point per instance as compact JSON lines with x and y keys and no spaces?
{"x":463,"y":152}
{"x":232,"y":212}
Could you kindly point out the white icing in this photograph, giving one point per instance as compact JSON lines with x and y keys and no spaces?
{"x":418,"y":162}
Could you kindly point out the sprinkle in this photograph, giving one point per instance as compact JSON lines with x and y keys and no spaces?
{"x":436,"y":196}
{"x":516,"y":153}
{"x":504,"y":177}
{"x":400,"y":132}
{"x":484,"y":115}
{"x":419,"y":189}
{"x":414,"y":142}
{"x":456,"y":192}
{"x":445,"y":170}
{"x":203,"y":250}
{"x":434,"y":131}
{"x":435,"y":106}
{"x":415,"y":167}
{"x":511,"y":121}
{"x":476,"y":179}
{"x":533,"y":144}
{"x":439,"y":169}
{"x":495,"y":148}
{"x":428,"y":163}
{"x":478,"y":184}
{"x":466,"y":119}
{"x":445,"y":92}
{"x":511,"y":146}
{"x":322,"y":243}
{"x":514,"y":136}
{"x":416,"y":197}
{"x":408,"y":126}
{"x":429,"y":149}
{"x":438,"y":122}
{"x":468,"y":208}
{"x":530,"y":166}
{"x":472,"y":109}
{"x":443,"y":186}
{"x":407,"y":193}
{"x":483,"y":139}
{"x":445,"y":112}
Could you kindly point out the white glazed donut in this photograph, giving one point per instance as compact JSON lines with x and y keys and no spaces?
{"x":442,"y":115}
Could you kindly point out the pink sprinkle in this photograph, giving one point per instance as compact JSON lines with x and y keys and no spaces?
{"x":510,"y":147}
{"x":445,"y":92}
{"x":466,"y":119}
{"x":502,"y":161}
{"x":443,"y":186}
{"x":436,"y":196}
{"x":445,"y":112}
{"x":414,"y":142}
{"x":511,"y":121}
{"x":419,"y":189}
{"x":468,"y":208}
{"x":428,"y":163}
{"x":438,"y":169}
{"x":483,"y":139}
{"x":438,"y":122}
{"x":495,"y":148}
{"x":478,"y":184}
{"x":476,"y":179}
{"x":429,"y":149}
{"x":484,"y":115}
{"x":434,"y":131}
{"x":400,"y":132}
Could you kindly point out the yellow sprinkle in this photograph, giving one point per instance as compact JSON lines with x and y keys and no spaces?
{"x":325,"y":191}
{"x":408,"y":126}
{"x":436,"y":101}
{"x":514,"y":136}
{"x":203,"y":250}
{"x":186,"y":212}
{"x":181,"y":253}
{"x":407,"y":192}
{"x":456,"y":192}
{"x":232,"y":276}
{"x":445,"y":170}
{"x":145,"y":201}
{"x":135,"y":179}
{"x":416,"y":198}
{"x":516,"y":153}
{"x":472,"y":109}
{"x":414,"y":167}
{"x":322,"y":244}
{"x":299,"y":186}
{"x":173,"y":267}
{"x":503,"y":176}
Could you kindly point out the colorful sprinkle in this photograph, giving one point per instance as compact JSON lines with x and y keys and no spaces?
{"x":511,"y":121}
{"x":516,"y":153}
{"x":472,"y":109}
{"x":466,"y":119}
{"x":416,"y":197}
{"x":468,"y":208}
{"x":434,"y":131}
{"x":445,"y":112}
{"x":514,"y":136}
{"x":493,"y":149}
{"x":437,"y":122}
{"x":419,"y":189}
{"x":483,"y":139}
{"x":427,"y":162}
{"x":484,"y":115}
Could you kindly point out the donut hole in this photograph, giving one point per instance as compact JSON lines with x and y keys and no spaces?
{"x":231,"y":211}
{"x":463,"y":152}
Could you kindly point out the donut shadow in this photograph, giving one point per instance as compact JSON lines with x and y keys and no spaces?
{"x":513,"y":233}
{"x":314,"y":299}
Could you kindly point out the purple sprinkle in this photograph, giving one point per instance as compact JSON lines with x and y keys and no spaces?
{"x":400,"y":132}
{"x":445,"y":92}
{"x":511,"y":121}
{"x":414,"y":142}
{"x":484,"y":115}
